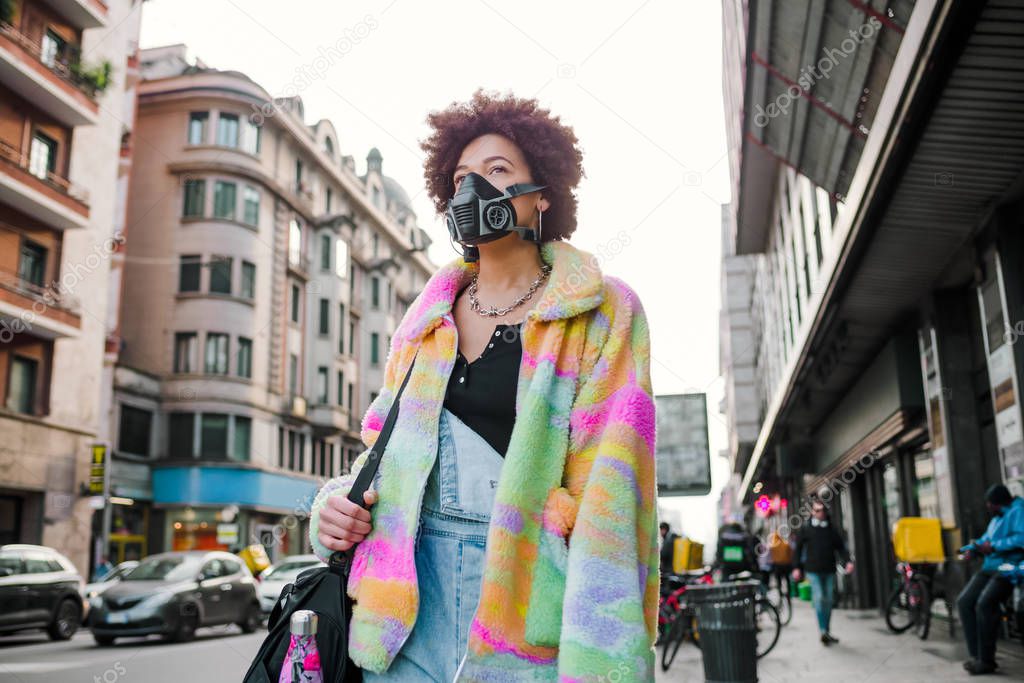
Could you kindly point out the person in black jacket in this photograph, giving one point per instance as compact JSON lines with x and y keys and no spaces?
{"x":817,"y":548}
{"x":668,"y":542}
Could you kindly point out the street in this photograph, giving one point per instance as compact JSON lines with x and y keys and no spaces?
{"x":217,"y":654}
{"x":867,"y":653}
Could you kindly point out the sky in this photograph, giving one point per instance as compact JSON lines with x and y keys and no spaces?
{"x":639,"y":82}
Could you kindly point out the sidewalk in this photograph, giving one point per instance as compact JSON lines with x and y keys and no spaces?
{"x":868,"y":653}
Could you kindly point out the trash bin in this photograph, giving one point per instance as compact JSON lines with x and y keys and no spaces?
{"x":727,"y":630}
{"x":805,"y":591}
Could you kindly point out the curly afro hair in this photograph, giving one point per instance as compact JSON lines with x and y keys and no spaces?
{"x":550,"y":148}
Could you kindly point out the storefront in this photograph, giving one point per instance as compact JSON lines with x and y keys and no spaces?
{"x":228,"y":508}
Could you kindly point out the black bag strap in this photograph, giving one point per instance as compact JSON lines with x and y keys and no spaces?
{"x":340,"y":561}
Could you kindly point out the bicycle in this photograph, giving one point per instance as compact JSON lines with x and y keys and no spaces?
{"x":779,"y":598}
{"x":676,"y":620}
{"x":684,"y":625}
{"x":910,"y":604}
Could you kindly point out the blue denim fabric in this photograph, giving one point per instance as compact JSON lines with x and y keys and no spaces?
{"x":450,"y":546}
{"x":822,"y":595}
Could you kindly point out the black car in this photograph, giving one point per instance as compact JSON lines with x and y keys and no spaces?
{"x":39,"y":589}
{"x":173,"y":594}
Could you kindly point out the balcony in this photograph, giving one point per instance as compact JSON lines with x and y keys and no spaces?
{"x":298,"y":264}
{"x":50,"y":198}
{"x":59,"y":89}
{"x":48,"y":312}
{"x":82,"y":13}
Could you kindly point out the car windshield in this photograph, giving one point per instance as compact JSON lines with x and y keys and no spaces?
{"x":289,"y":568}
{"x":11,"y":562}
{"x":165,"y":568}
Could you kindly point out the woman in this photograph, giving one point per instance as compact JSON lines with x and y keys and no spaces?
{"x":526,"y":428}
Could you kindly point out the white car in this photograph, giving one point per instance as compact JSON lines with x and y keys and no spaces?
{"x":275,"y":577}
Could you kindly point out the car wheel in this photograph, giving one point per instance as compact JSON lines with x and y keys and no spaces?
{"x":103,"y":641}
{"x":253,"y":619}
{"x":186,"y":626}
{"x":66,"y":621}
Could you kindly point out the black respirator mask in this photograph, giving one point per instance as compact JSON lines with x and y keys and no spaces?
{"x":479,"y":212}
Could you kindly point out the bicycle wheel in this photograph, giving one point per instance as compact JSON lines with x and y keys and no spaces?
{"x":781,"y":602}
{"x":899,"y":613}
{"x":921,"y":598}
{"x":768,"y":626}
{"x":673,"y":639}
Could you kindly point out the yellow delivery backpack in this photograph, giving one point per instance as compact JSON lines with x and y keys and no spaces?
{"x":687,"y":555}
{"x":918,"y":540}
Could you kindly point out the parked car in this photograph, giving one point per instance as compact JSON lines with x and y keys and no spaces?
{"x":175,"y":593}
{"x":275,"y":577}
{"x":39,"y":589}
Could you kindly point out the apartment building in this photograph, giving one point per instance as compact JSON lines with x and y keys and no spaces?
{"x":67,"y":69}
{"x":873,"y":274}
{"x":263,"y":279}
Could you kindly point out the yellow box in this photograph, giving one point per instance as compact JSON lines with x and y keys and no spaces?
{"x":687,"y":555}
{"x":918,"y":539}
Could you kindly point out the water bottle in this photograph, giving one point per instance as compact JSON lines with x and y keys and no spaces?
{"x":302,"y":661}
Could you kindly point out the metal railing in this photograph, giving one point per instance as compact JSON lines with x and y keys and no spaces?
{"x":60,"y":66}
{"x":12,"y":155}
{"x":51,"y":296}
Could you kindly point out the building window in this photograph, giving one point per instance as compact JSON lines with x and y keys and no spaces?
{"x":216,"y":354}
{"x":32,"y":264}
{"x":341,"y":328}
{"x":244,"y":368}
{"x":291,"y":450}
{"x":197,"y":121}
{"x":133,"y":434}
{"x":185,"y":352}
{"x":298,"y":175}
{"x":294,"y":243}
{"x":52,"y":48}
{"x":351,"y":337}
{"x":321,"y":385}
{"x":348,"y":396}
{"x":248,"y":280}
{"x":327,"y":200}
{"x":21,"y":385}
{"x":376,"y":245}
{"x":188,"y":273}
{"x":341,"y":388}
{"x":325,"y":317}
{"x":374,"y":351}
{"x":195,"y":197}
{"x":224,"y":200}
{"x":227,"y":130}
{"x":251,"y":205}
{"x":213,"y":435}
{"x":251,"y":135}
{"x":295,"y":303}
{"x":181,"y":443}
{"x":377,"y":199}
{"x":293,"y":374}
{"x":325,"y":252}
{"x":341,"y":258}
{"x":302,"y":452}
{"x":220,"y":274}
{"x":375,"y":292}
{"x":243,"y":439}
{"x":43,"y":156}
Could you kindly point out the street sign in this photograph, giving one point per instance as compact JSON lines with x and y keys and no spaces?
{"x":97,"y":470}
{"x":682,"y":456}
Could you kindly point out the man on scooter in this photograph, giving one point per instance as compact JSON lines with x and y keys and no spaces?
{"x":979,"y":601}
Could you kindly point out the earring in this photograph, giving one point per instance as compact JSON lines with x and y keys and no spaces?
{"x":540,"y":225}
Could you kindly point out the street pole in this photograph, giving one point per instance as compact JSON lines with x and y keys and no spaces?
{"x":107,"y":512}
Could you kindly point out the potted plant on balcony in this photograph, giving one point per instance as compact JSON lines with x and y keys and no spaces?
{"x":96,"y":78}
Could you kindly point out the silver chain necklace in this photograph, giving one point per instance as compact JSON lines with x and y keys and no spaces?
{"x":493,"y":312}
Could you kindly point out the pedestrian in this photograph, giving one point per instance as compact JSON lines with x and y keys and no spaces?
{"x":818,"y":546}
{"x":978,"y":603}
{"x":526,"y":426}
{"x":736,"y":551}
{"x":668,"y":544}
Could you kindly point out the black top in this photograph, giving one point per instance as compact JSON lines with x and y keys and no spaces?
{"x":818,"y":547}
{"x":483,"y":393}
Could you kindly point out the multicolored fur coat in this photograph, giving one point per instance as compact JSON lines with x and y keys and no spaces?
{"x":570,"y":587}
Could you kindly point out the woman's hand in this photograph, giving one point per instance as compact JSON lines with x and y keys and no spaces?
{"x":343,"y":523}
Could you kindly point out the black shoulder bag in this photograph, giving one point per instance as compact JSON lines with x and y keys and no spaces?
{"x":323,"y":590}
